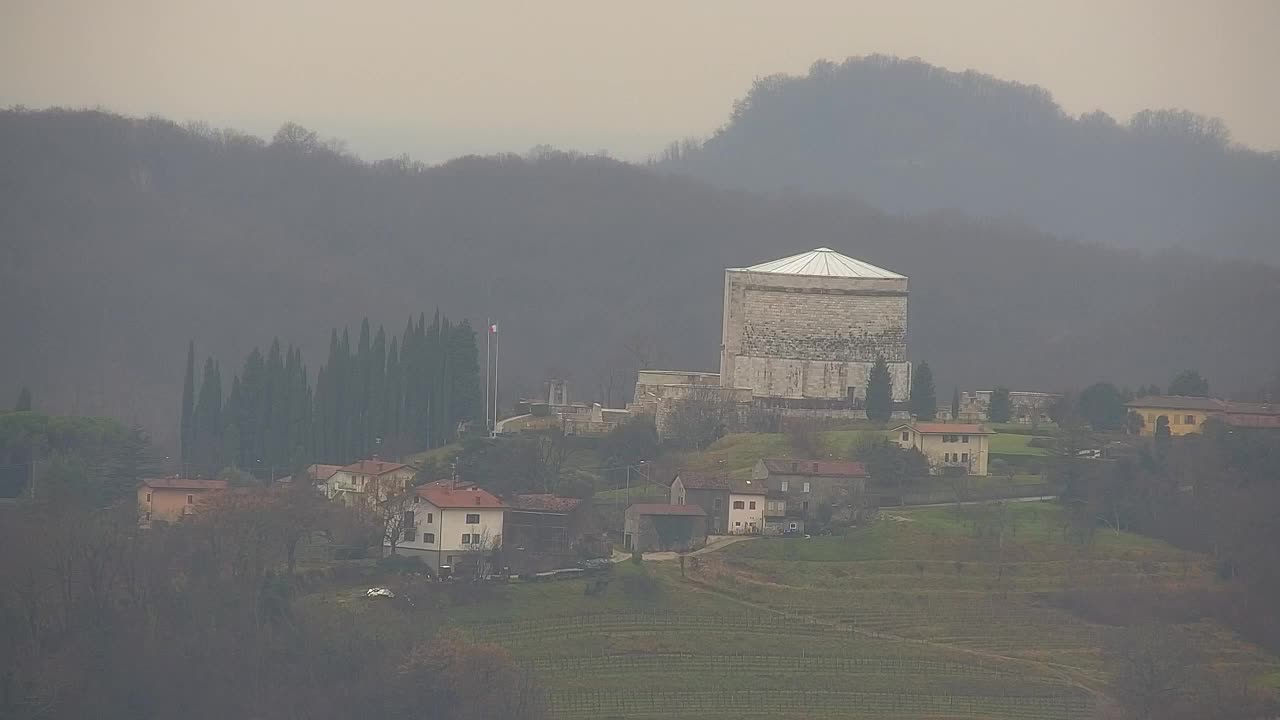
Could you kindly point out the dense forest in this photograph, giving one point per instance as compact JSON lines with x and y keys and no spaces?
{"x":907,"y":136}
{"x":370,"y":396}
{"x":124,"y":238}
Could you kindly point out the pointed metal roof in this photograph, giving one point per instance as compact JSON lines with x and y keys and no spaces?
{"x":824,"y":262}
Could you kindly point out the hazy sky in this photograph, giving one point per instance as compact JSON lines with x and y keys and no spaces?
{"x":438,"y":78}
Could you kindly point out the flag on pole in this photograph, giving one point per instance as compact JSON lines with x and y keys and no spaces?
{"x":493,"y":328}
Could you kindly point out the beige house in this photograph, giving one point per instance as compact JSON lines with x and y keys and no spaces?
{"x":732,"y":506}
{"x":170,"y":499}
{"x":368,"y":481}
{"x":456,"y":526}
{"x":947,"y":445}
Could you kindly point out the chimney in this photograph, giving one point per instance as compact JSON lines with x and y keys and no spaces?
{"x":379,"y":465}
{"x":477,"y":499}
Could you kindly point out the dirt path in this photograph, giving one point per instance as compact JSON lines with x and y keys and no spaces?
{"x":717,"y":542}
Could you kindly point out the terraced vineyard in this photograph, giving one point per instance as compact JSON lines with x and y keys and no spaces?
{"x":912,"y":618}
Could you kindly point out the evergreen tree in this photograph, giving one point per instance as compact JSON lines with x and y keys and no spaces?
{"x":955,"y":404}
{"x":24,"y":400}
{"x":999,"y":410}
{"x":924,"y":397}
{"x":880,"y":392}
{"x":1189,"y":383}
{"x":131,"y":461}
{"x":189,"y":405}
{"x":208,"y":426}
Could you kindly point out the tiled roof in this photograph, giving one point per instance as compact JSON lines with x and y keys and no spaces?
{"x":947,"y":429}
{"x":545,"y":503}
{"x":824,"y":262}
{"x":322,"y":472}
{"x":443,"y":494}
{"x":1242,"y":408}
{"x":748,"y":487}
{"x":663,"y":509}
{"x":815,"y":468}
{"x":184,"y":484}
{"x":695,"y":480}
{"x":373,"y":467}
{"x":1178,"y":402}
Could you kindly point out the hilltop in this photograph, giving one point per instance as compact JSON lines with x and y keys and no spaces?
{"x":908,"y":136}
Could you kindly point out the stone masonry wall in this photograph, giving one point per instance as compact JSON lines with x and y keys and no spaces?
{"x":804,"y":336}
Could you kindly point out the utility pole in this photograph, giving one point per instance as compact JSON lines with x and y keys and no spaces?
{"x":488,"y":326}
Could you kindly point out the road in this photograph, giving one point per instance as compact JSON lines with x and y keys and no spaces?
{"x":714,"y":543}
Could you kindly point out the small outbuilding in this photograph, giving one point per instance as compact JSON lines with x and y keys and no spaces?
{"x":662,"y":527}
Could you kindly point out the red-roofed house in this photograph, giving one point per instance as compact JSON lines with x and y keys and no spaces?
{"x":659,"y":527}
{"x":798,"y":490}
{"x":368,"y":481}
{"x":459,"y":526}
{"x":947,"y":445}
{"x":169,"y":499}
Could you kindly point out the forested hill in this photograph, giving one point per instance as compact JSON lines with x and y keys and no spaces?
{"x":123,"y":239}
{"x":907,"y":136}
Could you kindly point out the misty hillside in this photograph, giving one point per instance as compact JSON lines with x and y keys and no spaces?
{"x":907,"y":136}
{"x":122,"y":239}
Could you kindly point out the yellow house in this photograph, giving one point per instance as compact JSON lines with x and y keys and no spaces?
{"x":947,"y":445}
{"x":1185,"y":414}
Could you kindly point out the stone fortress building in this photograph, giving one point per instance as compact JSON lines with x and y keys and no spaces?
{"x":804,"y":331}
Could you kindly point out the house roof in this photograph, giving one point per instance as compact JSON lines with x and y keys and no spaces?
{"x":176,"y":483}
{"x":443,"y":494}
{"x":372,"y":467}
{"x":816,"y":468}
{"x":664,"y":509}
{"x":1178,"y":402}
{"x":947,"y":428}
{"x":824,"y":262}
{"x":322,"y":472}
{"x":545,"y":503}
{"x":1242,"y":408}
{"x":695,"y":480}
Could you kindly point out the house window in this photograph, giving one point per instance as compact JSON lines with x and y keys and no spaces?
{"x":806,"y":487}
{"x":793,"y":526}
{"x":964,"y":458}
{"x":738,"y":505}
{"x":964,"y":438}
{"x":406,"y":520}
{"x":191,"y":499}
{"x":752,"y":506}
{"x":716,"y":503}
{"x":784,"y":486}
{"x":429,"y":538}
{"x":682,"y":498}
{"x":473,"y":518}
{"x":466,"y":538}
{"x":906,"y":435}
{"x":148,"y":497}
{"x":430,"y":516}
{"x":410,"y":534}
{"x":1191,"y":420}
{"x":737,"y":524}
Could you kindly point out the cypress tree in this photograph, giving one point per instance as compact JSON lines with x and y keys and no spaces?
{"x":208,"y":426}
{"x":999,"y":411}
{"x":924,"y":397}
{"x":394,"y":402}
{"x":377,"y":410}
{"x":955,"y":404}
{"x":465,"y":378}
{"x":880,"y":392}
{"x":24,"y":400}
{"x":188,"y":404}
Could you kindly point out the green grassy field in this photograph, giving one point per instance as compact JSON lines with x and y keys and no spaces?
{"x":921,"y":614}
{"x":1007,"y":444}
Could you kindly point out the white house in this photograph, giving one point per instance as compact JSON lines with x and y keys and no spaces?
{"x":746,"y":507}
{"x":457,"y":526}
{"x":368,"y":481}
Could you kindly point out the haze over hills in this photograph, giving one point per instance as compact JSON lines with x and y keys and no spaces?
{"x":124,"y":238}
{"x":906,"y":136}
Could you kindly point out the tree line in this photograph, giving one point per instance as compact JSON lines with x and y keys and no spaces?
{"x":377,"y":395}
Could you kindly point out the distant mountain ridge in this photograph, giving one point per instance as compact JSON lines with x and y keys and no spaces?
{"x":907,"y":136}
{"x":121,"y":239}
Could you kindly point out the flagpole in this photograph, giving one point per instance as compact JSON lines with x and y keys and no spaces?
{"x":488,"y":325}
{"x":495,"y":376}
